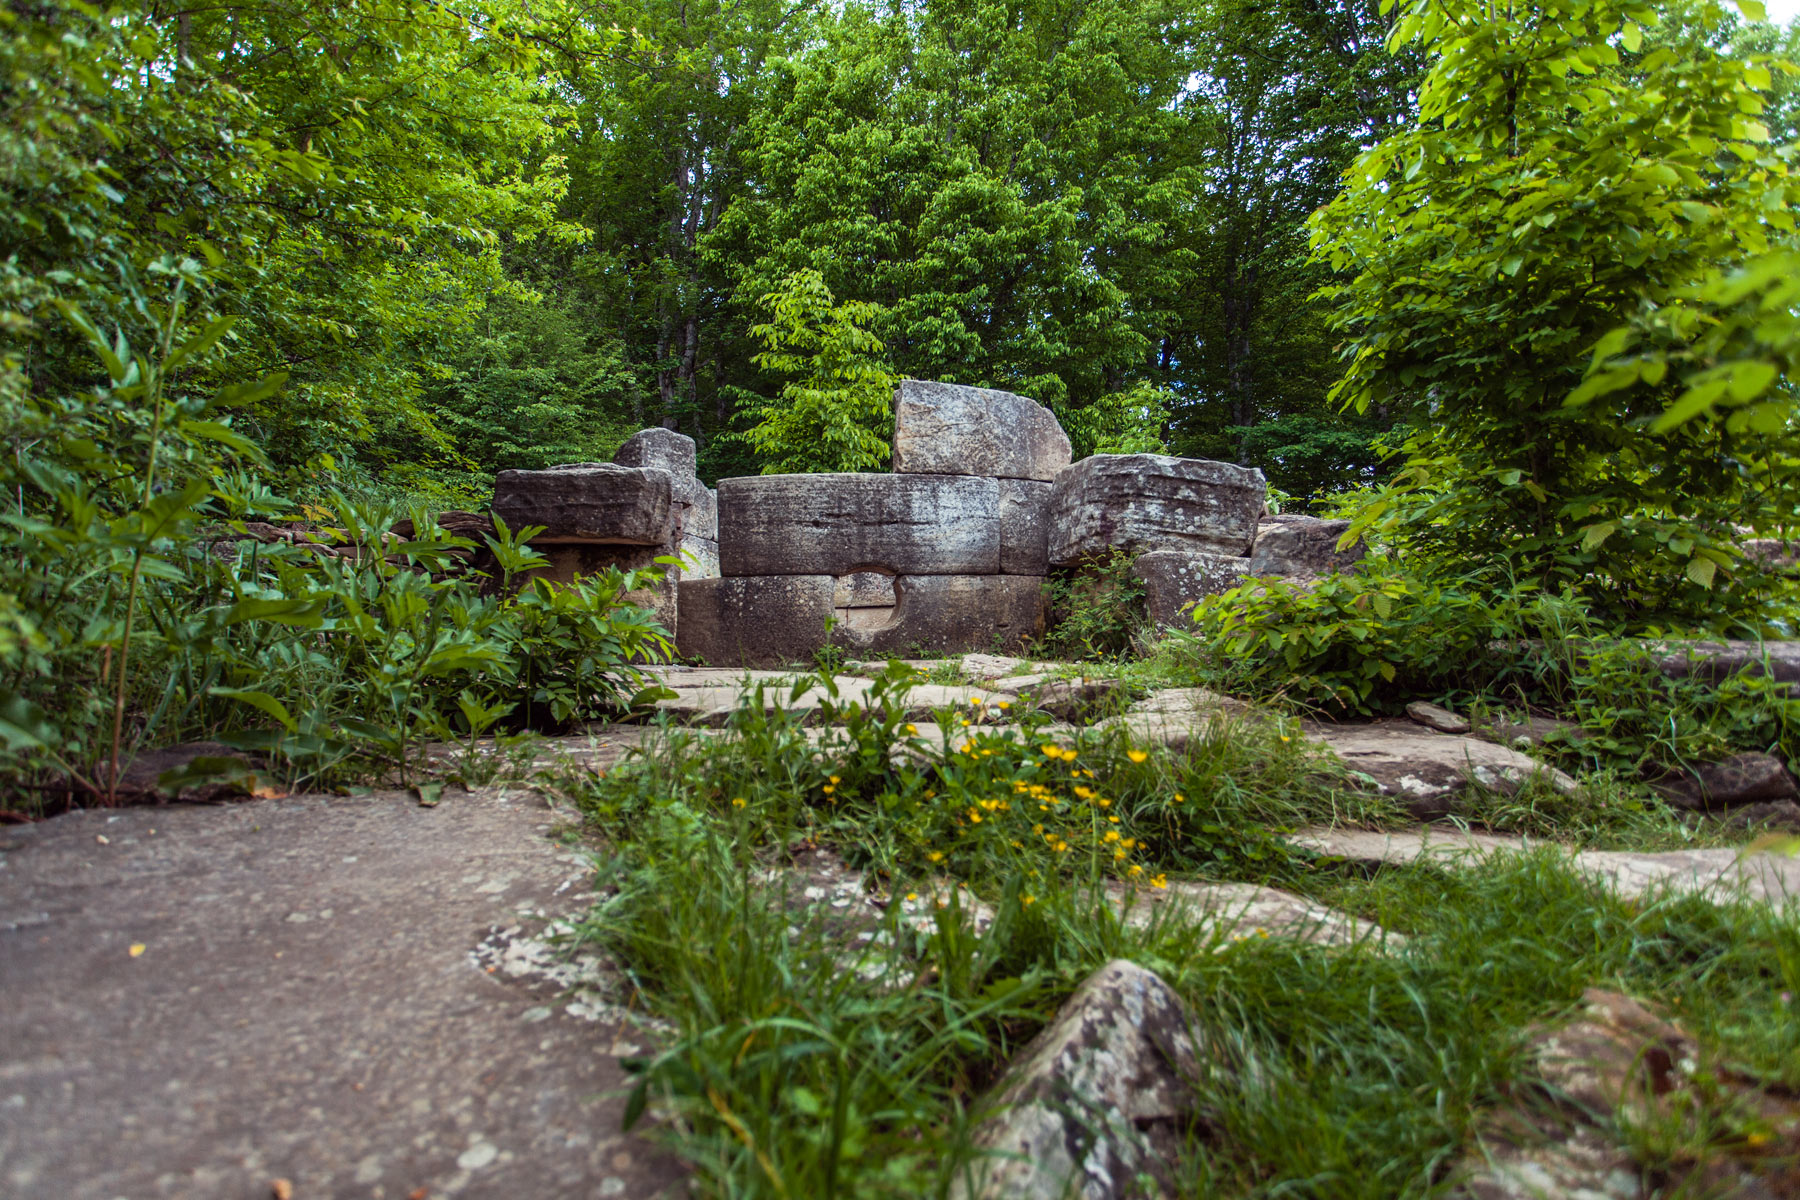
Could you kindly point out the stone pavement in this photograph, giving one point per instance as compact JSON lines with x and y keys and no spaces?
{"x":347,"y":994}
{"x":1770,"y":876}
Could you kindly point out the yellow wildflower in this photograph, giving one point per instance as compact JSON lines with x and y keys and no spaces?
{"x":1136,"y":756}
{"x":739,"y":802}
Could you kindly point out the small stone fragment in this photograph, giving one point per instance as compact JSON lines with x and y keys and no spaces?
{"x":1433,"y":717}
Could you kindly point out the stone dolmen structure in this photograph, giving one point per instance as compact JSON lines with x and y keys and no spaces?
{"x":948,"y":553}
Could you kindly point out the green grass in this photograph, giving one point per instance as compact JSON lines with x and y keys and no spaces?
{"x":810,"y":1061}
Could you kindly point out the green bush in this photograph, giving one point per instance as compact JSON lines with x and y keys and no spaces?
{"x":1096,"y":612}
{"x":1362,"y":643}
{"x":128,"y":613}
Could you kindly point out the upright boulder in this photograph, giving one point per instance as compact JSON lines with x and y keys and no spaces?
{"x":1139,"y":502}
{"x":1096,"y":1102}
{"x":948,"y":429}
{"x":1024,"y":527}
{"x":1292,"y":544}
{"x":843,"y":523}
{"x":696,"y":505}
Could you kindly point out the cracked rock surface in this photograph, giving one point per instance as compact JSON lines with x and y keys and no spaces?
{"x":364,"y":997}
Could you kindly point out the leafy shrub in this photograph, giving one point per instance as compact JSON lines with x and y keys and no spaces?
{"x":127,"y":613}
{"x":1096,"y":612}
{"x":1361,"y":643}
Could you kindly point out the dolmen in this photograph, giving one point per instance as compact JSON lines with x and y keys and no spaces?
{"x":948,"y":553}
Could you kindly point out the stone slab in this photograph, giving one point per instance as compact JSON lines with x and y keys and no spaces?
{"x":1175,"y":580}
{"x":761,"y":621}
{"x":1769,"y":876}
{"x":713,"y":703}
{"x":590,"y":502}
{"x":1024,"y":527}
{"x":838,"y":524}
{"x":949,"y":429}
{"x":313,"y":1002}
{"x":1426,"y":771}
{"x":950,"y":614}
{"x":1139,"y":502}
{"x":1238,"y":912}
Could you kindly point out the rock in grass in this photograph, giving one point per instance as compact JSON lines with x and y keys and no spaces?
{"x":1427,"y":772}
{"x":1616,"y":1062}
{"x":1093,"y":1107}
{"x":1435,"y":717}
{"x":1728,"y":783}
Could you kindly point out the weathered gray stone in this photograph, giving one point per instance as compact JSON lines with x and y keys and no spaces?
{"x":1782,"y":815}
{"x":1426,"y":772}
{"x":699,"y":558}
{"x":713,"y":702}
{"x":839,"y":524}
{"x":311,"y":1000}
{"x":948,"y":429}
{"x":951,"y":614}
{"x":658,"y":447}
{"x":756,"y":621}
{"x":1617,"y":1064}
{"x":1530,"y":730}
{"x":1293,"y":544}
{"x":590,"y":502}
{"x":988,"y":667}
{"x":1770,"y":876}
{"x":1176,"y":580}
{"x":1174,"y":717}
{"x":699,"y":509}
{"x":865,"y":589}
{"x":1433,"y":716}
{"x":1240,"y":912}
{"x":1728,"y":783}
{"x":1094,"y":1104}
{"x":1718,"y":660}
{"x":1073,"y":699}
{"x":1024,"y":527}
{"x":1139,"y":502}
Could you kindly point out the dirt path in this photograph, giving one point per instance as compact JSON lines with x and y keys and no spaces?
{"x":326,"y":993}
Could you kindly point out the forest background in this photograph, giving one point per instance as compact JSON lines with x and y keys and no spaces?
{"x":507,"y":237}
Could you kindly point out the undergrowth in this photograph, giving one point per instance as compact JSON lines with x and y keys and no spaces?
{"x":816,"y":1054}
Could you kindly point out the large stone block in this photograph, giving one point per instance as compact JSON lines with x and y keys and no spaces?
{"x":1138,"y":502}
{"x":658,"y":447}
{"x":590,"y":502}
{"x":948,"y":429}
{"x":569,"y":561}
{"x":1292,"y":544}
{"x":948,"y":614}
{"x":1174,"y":580}
{"x":840,"y":524}
{"x":754,"y":622}
{"x":1024,"y":527}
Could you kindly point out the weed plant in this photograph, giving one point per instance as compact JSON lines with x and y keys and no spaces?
{"x":820,"y":1055}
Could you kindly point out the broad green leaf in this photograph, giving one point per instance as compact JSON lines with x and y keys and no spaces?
{"x":261,"y":701}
